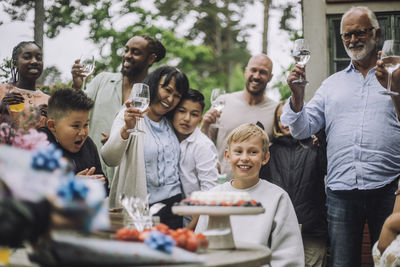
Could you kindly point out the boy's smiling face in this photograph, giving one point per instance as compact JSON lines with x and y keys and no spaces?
{"x":246,"y":159}
{"x":71,"y":130}
{"x":186,"y":118}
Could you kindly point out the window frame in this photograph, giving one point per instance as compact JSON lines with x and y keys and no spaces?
{"x":390,"y":30}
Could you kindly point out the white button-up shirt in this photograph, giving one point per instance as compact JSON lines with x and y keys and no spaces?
{"x":198,"y":163}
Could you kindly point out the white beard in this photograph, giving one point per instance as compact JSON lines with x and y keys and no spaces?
{"x":360,"y":54}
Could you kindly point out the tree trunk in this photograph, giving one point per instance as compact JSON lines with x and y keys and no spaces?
{"x":265,"y":32}
{"x":39,"y":22}
{"x":229,"y":65}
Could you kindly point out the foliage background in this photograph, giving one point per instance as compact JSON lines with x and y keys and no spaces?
{"x":212,"y":52}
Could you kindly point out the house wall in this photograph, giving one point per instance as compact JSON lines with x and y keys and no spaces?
{"x":316,"y":32}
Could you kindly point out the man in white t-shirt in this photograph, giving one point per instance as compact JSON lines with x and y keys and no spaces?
{"x":249,"y":105}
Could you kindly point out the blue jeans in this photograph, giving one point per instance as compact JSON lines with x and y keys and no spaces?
{"x":347,"y":213}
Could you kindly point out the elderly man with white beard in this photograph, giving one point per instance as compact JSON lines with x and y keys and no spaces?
{"x":363,"y":133}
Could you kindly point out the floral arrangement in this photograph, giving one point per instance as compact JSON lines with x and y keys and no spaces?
{"x":47,"y":158}
{"x":160,"y":241}
{"x":72,"y":189}
{"x":21,"y":138}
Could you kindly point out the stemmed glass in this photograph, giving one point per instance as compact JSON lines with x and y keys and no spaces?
{"x":391,"y":59}
{"x":216,"y":101}
{"x":140,"y":98}
{"x":88,"y":65}
{"x":301,"y":54}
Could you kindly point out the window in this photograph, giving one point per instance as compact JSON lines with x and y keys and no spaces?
{"x":389,"y":23}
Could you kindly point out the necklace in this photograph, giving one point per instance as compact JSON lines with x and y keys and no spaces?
{"x":28,"y":91}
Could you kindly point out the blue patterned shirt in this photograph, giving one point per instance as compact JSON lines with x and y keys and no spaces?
{"x":161,"y":155}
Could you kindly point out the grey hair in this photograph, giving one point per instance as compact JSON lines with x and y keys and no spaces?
{"x":370,"y":13}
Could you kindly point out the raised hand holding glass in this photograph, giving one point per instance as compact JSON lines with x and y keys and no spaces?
{"x":301,"y":54}
{"x":140,"y":98}
{"x":88,"y":65}
{"x":216,"y":101}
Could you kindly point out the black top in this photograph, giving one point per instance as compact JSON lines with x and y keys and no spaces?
{"x":299,"y":168}
{"x":86,"y":158}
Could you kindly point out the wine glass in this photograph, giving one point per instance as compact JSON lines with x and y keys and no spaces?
{"x":88,"y":65}
{"x":217,"y":102}
{"x":391,"y":59}
{"x":301,"y":54}
{"x":140,"y":98}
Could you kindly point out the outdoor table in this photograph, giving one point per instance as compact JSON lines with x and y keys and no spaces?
{"x":245,"y":254}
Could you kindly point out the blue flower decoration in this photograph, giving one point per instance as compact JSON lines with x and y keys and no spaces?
{"x":159,"y":241}
{"x":72,"y":189}
{"x":47,"y":158}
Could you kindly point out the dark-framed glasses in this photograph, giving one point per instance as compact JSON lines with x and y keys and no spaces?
{"x":346,"y":36}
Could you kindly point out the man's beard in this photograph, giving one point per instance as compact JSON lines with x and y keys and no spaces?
{"x":132,"y":71}
{"x":135,"y":68}
{"x":255,"y":93}
{"x":359,"y":55}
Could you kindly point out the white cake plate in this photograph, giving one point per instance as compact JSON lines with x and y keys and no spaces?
{"x":219,"y":225}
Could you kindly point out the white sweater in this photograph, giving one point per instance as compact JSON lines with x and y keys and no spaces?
{"x":127,"y":155}
{"x":277,"y":228}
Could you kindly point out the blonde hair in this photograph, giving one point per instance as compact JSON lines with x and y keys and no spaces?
{"x":246,"y":131}
{"x":276,"y":129}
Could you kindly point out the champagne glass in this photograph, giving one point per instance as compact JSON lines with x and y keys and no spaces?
{"x":301,"y":54}
{"x":140,"y":98}
{"x":88,"y":64}
{"x":217,"y":102}
{"x":391,"y":59}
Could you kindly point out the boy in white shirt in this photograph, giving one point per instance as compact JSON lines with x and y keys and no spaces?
{"x":198,"y":159}
{"x":278,"y":227}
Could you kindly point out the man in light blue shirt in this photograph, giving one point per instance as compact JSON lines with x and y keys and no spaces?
{"x":363,"y":133}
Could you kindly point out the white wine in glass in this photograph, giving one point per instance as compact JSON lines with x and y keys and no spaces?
{"x":391,"y":59}
{"x":301,"y":54}
{"x":217,"y":102}
{"x":88,"y":65}
{"x":140,"y":98}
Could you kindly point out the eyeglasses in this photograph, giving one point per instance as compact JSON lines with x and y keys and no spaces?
{"x":358,"y":34}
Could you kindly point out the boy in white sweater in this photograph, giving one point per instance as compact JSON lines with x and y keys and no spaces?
{"x":278,"y":227}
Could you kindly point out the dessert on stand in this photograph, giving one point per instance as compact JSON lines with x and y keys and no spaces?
{"x":219,"y":206}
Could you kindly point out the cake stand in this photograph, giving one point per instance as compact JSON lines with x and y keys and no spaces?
{"x":219,"y":225}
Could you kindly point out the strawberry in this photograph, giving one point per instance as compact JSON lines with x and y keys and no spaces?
{"x":191,"y":244}
{"x":143,"y":235}
{"x":181,"y":241}
{"x":163,"y":228}
{"x":241,"y":203}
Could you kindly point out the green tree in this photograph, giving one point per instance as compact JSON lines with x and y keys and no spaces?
{"x":288,"y":9}
{"x":107,"y":32}
{"x":288,"y":13}
{"x":50,"y":75}
{"x":267,"y":4}
{"x":5,"y":70}
{"x":285,"y":23}
{"x":50,"y":16}
{"x":217,"y":24}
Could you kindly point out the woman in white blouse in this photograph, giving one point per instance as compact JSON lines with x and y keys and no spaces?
{"x":148,"y":163}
